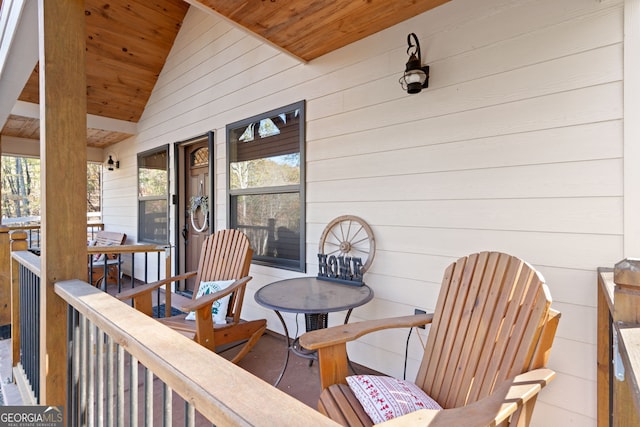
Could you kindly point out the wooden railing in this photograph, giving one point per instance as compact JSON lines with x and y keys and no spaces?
{"x":112,"y":346}
{"x":26,"y":290}
{"x":619,"y":345}
{"x":26,"y":322}
{"x":33,"y":231}
{"x":166,"y":362}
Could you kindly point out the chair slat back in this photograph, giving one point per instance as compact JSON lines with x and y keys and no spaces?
{"x":107,"y":238}
{"x":487,"y":323}
{"x":225,"y":255}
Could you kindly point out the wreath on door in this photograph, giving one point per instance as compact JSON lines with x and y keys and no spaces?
{"x":200,"y":203}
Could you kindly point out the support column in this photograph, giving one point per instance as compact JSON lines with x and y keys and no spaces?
{"x":63,"y":156}
{"x":626,"y":314}
{"x":5,"y":273}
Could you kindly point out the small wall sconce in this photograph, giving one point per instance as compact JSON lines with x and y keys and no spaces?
{"x":415,"y":76}
{"x":112,"y":164}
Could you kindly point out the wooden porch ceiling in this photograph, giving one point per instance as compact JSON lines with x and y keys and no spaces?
{"x":128,"y":42}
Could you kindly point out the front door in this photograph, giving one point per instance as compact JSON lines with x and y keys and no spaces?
{"x":198,"y":206}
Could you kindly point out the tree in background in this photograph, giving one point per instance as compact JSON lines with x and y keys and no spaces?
{"x":94,"y":175}
{"x":21,"y":187}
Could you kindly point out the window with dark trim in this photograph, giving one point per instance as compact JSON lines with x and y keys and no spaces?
{"x":265,"y":184}
{"x":153,"y":195}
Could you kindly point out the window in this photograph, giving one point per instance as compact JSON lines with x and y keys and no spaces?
{"x":266,"y":185}
{"x":153,"y":196}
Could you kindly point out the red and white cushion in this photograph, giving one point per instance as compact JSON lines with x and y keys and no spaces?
{"x":384,"y":398}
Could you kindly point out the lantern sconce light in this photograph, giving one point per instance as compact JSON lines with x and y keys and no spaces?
{"x":416,"y":76}
{"x":112,"y":164}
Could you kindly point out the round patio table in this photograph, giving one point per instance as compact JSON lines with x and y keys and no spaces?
{"x":313,"y":297}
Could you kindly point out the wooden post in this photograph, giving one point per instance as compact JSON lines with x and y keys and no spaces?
{"x":63,"y":156}
{"x":5,"y":275}
{"x":5,"y":282}
{"x":626,"y":313}
{"x":18,"y":243}
{"x":626,"y":297}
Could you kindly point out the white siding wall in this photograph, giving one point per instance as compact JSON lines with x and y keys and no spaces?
{"x":516,"y":146}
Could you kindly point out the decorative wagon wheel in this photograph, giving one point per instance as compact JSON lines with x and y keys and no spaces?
{"x":349,"y":235}
{"x":200,"y":203}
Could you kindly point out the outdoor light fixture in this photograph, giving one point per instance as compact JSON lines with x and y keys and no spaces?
{"x":415,"y":76}
{"x":111,"y":164}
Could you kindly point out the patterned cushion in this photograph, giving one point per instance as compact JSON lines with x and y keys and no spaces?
{"x":98,"y":257}
{"x":219,"y":307}
{"x":384,"y":398}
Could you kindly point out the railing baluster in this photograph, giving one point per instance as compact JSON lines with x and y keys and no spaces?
{"x":167,"y":394}
{"x":121,"y":384}
{"x":119,"y":273}
{"x":190,"y":415}
{"x":91,"y":374}
{"x":100,"y":378}
{"x":133,"y":390}
{"x":133,"y":271}
{"x":110,"y":382}
{"x":84,"y":342}
{"x":73,"y":366}
{"x":148,"y":398}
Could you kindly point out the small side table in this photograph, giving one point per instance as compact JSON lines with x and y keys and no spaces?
{"x":312,"y":297}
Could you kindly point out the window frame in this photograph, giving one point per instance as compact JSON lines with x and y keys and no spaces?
{"x":142,"y":199}
{"x":300,"y":188}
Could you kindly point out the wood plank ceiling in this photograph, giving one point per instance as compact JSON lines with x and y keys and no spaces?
{"x":128,"y":42}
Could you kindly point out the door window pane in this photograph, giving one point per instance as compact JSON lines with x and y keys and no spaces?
{"x":153,"y":196}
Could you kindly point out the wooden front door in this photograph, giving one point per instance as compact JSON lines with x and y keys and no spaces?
{"x":198,"y":205}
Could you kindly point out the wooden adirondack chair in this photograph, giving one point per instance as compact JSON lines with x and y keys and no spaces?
{"x":489,"y":340}
{"x":225,"y":255}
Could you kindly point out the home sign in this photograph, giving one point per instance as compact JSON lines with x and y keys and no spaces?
{"x":341,"y":269}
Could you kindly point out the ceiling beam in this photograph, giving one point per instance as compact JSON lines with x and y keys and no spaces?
{"x":18,"y":50}
{"x":32,"y":111}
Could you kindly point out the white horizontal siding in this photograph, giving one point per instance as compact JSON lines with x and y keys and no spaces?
{"x":516,"y":146}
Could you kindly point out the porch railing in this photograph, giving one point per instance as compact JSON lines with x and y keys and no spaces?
{"x":31,"y":225}
{"x":28,"y":343}
{"x":115,"y":346}
{"x":619,"y":345}
{"x":120,"y":361}
{"x":26,"y":285}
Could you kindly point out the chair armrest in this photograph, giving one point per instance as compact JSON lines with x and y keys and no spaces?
{"x":505,"y":400}
{"x":331,"y":343}
{"x":148,"y":287}
{"x":205,"y":300}
{"x":344,"y":333}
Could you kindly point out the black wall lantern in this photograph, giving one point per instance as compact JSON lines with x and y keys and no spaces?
{"x":415,"y":76}
{"x":111,"y":163}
